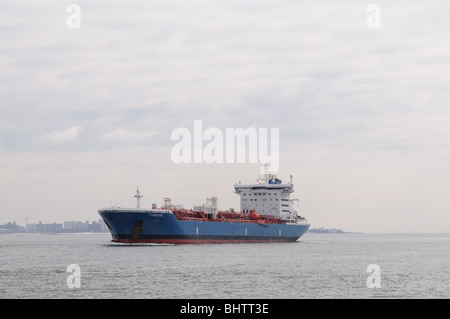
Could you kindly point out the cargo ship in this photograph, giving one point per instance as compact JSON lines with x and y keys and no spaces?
{"x":266,"y":215}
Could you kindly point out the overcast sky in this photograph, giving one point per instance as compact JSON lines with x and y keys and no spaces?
{"x":86,"y":114}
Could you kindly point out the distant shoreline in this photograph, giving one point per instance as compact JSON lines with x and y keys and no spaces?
{"x":51,"y":233}
{"x":330,"y":231}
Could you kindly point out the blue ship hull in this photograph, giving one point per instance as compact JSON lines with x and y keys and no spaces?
{"x":161,"y":226}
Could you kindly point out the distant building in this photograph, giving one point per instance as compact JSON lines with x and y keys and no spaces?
{"x":78,"y":226}
{"x":44,"y":228}
{"x":99,"y":227}
{"x":67,"y":227}
{"x":11,"y":228}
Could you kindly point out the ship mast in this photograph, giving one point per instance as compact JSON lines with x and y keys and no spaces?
{"x":138,"y":198}
{"x":265,"y":174}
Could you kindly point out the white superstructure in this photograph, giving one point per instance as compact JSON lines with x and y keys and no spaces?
{"x":269,"y":197}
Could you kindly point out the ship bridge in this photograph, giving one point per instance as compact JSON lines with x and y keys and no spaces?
{"x":268,"y":197}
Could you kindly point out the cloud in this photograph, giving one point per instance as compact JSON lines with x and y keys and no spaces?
{"x":341,"y":94}
{"x":122,"y":134}
{"x":62,"y":135}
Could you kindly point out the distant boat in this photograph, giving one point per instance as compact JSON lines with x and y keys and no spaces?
{"x":330,"y":231}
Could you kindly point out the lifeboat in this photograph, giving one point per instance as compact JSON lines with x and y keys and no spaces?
{"x":254,"y":216}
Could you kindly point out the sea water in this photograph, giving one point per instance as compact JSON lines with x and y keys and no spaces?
{"x":317,"y":266}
